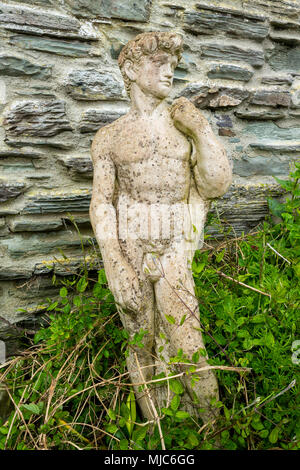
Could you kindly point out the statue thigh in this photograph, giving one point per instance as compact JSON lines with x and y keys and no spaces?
{"x":175,"y":297}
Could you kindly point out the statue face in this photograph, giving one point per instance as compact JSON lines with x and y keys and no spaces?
{"x":154,"y":74}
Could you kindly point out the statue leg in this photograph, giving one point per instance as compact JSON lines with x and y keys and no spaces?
{"x":140,"y":361}
{"x":174,"y":294}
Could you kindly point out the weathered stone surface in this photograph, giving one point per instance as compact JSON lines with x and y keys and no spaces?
{"x":15,"y":167}
{"x":225,"y":132}
{"x":90,"y":85}
{"x":205,"y":22}
{"x":224,"y":120}
{"x":295,"y":113}
{"x":284,"y":8}
{"x":281,"y":146}
{"x":10,"y":190}
{"x":259,"y":165}
{"x":284,"y":24}
{"x":16,"y":67}
{"x":26,"y":224}
{"x":28,"y":20}
{"x":29,"y":142}
{"x":295,"y":93}
{"x":284,"y":58}
{"x":81,"y":165}
{"x":253,"y":57}
{"x":244,"y":206}
{"x":13,"y":272}
{"x":52,"y":46}
{"x":277,"y":80}
{"x":19,"y":154}
{"x":224,"y":101}
{"x":270,"y":131}
{"x":231,"y":9}
{"x":271,"y":98}
{"x":269,"y":137}
{"x":204,"y":96}
{"x":229,"y":71}
{"x":37,"y":118}
{"x":37,"y":91}
{"x":41,"y":244}
{"x":260,"y":114}
{"x":3,"y":230}
{"x":289,"y":38}
{"x":52,"y":202}
{"x":94,"y":119}
{"x":38,"y":2}
{"x":135,"y":10}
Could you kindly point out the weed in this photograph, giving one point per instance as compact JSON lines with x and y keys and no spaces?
{"x":71,"y":390}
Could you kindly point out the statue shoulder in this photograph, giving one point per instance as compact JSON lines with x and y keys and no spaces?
{"x":106,"y":138}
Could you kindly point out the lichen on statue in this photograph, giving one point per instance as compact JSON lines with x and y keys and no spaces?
{"x":155,"y":171}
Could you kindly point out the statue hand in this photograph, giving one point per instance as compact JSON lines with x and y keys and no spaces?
{"x":126,"y":288}
{"x":187,"y":118}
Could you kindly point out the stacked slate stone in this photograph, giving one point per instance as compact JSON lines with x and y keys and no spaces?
{"x":59,"y":83}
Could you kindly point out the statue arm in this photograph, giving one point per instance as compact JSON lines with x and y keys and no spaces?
{"x":102,"y":211}
{"x":211,"y":166}
{"x":122,"y":279}
{"x":212,"y":170}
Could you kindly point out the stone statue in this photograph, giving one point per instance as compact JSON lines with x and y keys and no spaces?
{"x":155,"y":170}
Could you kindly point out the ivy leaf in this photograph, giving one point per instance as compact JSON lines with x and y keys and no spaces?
{"x":176,"y":387}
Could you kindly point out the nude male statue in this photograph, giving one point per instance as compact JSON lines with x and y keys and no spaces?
{"x":148,"y":165}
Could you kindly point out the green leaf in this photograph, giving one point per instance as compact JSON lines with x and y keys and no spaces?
{"x":273,"y":437}
{"x":167,"y":412}
{"x":77,"y":301}
{"x":182,"y":320}
{"x":192,"y":439}
{"x":170,"y":319}
{"x":276,"y":207}
{"x":220,"y":256}
{"x":285,"y":184}
{"x":34,"y":409}
{"x":139,"y":433}
{"x":102,"y":277}
{"x":269,"y":340}
{"x":195,"y":357}
{"x":259,"y":318}
{"x":175,"y":402}
{"x":123,"y":444}
{"x":227,"y":413}
{"x":81,"y":285}
{"x":63,"y":292}
{"x":176,"y":386}
{"x":132,"y":412}
{"x":112,"y":428}
{"x":198,"y":267}
{"x":182,"y":414}
{"x":111,"y":413}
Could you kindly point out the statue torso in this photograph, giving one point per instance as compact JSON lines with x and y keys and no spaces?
{"x":151,"y":160}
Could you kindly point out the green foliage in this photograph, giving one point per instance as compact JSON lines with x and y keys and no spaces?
{"x":70,"y":389}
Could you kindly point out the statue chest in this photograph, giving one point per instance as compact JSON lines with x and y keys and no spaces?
{"x":151,"y":146}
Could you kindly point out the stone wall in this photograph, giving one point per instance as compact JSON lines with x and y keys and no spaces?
{"x":59,"y":82}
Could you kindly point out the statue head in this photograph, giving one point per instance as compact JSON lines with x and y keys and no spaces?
{"x":149,"y":61}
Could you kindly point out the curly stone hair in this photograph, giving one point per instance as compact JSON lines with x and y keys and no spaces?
{"x":147,"y":44}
